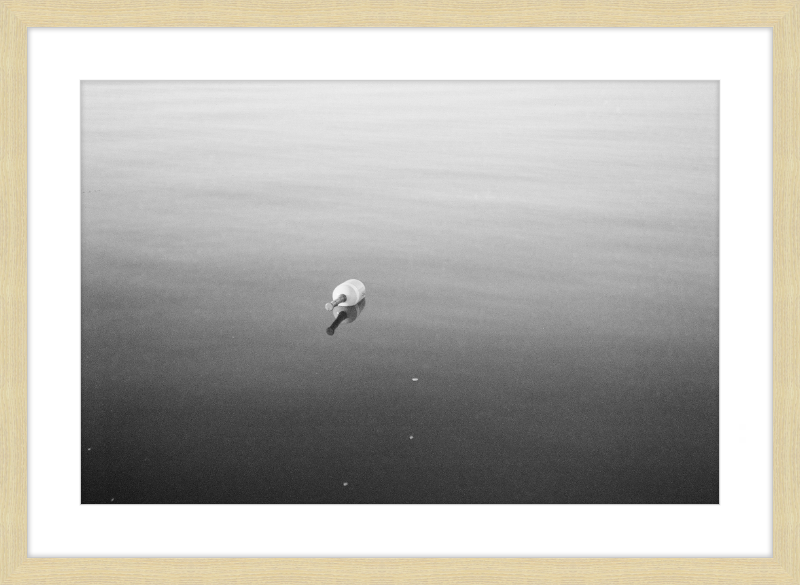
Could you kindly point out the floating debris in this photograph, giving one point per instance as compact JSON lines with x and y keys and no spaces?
{"x":414,"y":379}
{"x":345,"y":484}
{"x":112,"y":499}
{"x":89,"y":449}
{"x":411,"y":437}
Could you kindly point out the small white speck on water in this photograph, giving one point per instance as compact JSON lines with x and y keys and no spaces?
{"x":345,"y":484}
{"x":411,"y":437}
{"x":414,"y":379}
{"x":89,"y":449}
{"x":112,"y":499}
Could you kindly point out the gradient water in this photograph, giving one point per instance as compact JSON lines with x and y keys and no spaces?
{"x":541,"y":257}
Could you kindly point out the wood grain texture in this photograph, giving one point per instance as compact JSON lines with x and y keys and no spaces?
{"x":16,"y":16}
{"x":472,"y":13}
{"x":13,"y":294}
{"x":786,"y":306}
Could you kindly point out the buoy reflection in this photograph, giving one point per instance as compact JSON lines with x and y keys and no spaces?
{"x":346,"y":315}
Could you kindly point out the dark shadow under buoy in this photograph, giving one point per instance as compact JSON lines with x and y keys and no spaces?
{"x":346,"y":315}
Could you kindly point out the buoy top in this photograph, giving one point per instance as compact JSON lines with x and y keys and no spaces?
{"x":347,"y":294}
{"x":335,"y":302}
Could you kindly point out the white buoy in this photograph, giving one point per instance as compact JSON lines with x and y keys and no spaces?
{"x":347,"y":294}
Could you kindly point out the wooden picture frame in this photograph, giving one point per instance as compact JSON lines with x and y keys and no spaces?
{"x":15,"y":18}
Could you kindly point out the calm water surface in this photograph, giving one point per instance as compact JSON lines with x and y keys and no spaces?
{"x":541,"y":257}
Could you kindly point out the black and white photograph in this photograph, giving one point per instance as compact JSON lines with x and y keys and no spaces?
{"x":400,"y":292}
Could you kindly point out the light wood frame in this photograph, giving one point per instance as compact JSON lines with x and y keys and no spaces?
{"x":784,"y":19}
